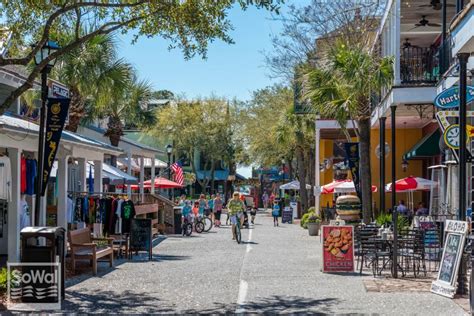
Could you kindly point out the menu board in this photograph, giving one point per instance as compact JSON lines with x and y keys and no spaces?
{"x":287,"y":214}
{"x":338,"y":248}
{"x":141,"y":236}
{"x":453,"y":248}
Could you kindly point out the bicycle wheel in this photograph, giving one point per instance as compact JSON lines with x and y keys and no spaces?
{"x":188,"y":229}
{"x":199,"y":226}
{"x":207,"y":224}
{"x":238,"y":234}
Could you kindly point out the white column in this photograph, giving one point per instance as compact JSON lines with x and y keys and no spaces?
{"x":14,"y":207}
{"x":129,"y":171}
{"x":62,"y":177}
{"x":317,"y":185}
{"x":82,"y":173}
{"x":153,"y":177}
{"x":142,"y":178}
{"x":98,"y":175}
{"x":397,"y":17}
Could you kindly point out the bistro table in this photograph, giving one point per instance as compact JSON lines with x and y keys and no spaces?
{"x":385,"y":245}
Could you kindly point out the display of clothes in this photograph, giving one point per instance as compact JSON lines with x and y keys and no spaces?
{"x":28,"y":175}
{"x":24,"y":214}
{"x":114,"y":213}
{"x":5,"y":179}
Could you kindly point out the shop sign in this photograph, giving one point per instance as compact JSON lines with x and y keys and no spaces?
{"x":294,"y":208}
{"x":57,"y":109}
{"x":286,"y":215}
{"x":352,"y":158}
{"x":338,"y":248}
{"x":58,"y":91}
{"x":450,"y":261}
{"x":449,"y":98}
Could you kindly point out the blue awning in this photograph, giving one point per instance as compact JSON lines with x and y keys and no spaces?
{"x":219,"y":175}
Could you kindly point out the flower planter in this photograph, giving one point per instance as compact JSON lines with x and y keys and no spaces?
{"x":313,"y":229}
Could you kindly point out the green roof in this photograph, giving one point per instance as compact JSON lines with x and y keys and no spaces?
{"x":428,"y":146}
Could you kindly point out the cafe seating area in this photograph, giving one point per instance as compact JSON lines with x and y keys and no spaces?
{"x":418,"y":251}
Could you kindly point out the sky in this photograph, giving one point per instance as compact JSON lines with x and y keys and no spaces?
{"x":230,"y":71}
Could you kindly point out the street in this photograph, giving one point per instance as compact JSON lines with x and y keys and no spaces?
{"x":276,"y":269}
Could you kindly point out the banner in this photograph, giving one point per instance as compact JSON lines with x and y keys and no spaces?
{"x":338,"y":248}
{"x":352,"y":158}
{"x":57,"y":109}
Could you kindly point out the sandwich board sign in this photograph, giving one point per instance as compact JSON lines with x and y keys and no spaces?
{"x":445,"y":284}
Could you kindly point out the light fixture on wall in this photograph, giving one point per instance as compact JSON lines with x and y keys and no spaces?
{"x":404,"y":161}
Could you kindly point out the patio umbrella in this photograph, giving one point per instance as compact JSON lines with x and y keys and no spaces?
{"x":160,"y":182}
{"x":411,"y":184}
{"x":341,"y":186}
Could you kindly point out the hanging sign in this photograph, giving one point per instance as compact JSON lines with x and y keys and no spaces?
{"x":449,"y":131}
{"x":338,"y":248}
{"x":57,"y":109}
{"x":451,"y":259}
{"x":352,"y":158}
{"x":449,"y":98}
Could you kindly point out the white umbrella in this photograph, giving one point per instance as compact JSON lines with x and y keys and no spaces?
{"x":293,"y":185}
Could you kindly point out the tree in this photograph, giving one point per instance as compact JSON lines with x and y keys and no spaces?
{"x":343,"y":90}
{"x":91,"y":71}
{"x":189,"y":25}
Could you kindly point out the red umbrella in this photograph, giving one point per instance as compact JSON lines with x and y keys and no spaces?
{"x":160,"y":182}
{"x":411,"y":184}
{"x":341,"y":186}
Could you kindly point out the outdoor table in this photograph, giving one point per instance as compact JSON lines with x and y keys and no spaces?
{"x":386,"y":245}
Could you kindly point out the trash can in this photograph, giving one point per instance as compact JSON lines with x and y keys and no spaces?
{"x":43,"y":245}
{"x":177,"y":220}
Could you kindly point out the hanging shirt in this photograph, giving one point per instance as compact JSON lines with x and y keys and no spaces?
{"x":70,"y":210}
{"x":5,"y":179}
{"x":24,"y":215}
{"x":23,"y":175}
{"x":31,"y":172}
{"x":118,"y":213}
{"x":128,"y":212}
{"x":78,"y":211}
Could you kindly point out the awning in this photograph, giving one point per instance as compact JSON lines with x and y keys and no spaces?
{"x":428,"y":146}
{"x":219,"y":175}
{"x":160,"y":182}
{"x":293,"y":185}
{"x":110,"y":175}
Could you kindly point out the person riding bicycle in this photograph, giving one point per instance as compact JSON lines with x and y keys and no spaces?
{"x":186,"y":212}
{"x":235,"y":211}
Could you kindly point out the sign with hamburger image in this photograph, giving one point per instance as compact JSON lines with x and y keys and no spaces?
{"x":338,"y":248}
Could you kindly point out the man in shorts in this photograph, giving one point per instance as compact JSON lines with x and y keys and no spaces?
{"x":235,"y":209}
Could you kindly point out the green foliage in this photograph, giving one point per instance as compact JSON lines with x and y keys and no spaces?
{"x":314,"y":219}
{"x":312,"y":209}
{"x":386,"y":220}
{"x":4,"y":279}
{"x":305,"y":219}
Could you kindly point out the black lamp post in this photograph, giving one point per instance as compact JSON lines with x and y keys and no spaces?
{"x":48,"y":48}
{"x":169,"y":150}
{"x":283,"y":168}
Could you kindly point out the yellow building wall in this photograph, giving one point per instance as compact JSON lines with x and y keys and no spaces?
{"x":405,"y":140}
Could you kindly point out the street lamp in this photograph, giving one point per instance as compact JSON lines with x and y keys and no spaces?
{"x":404,"y":165}
{"x":48,"y":48}
{"x":283,"y":168}
{"x":169,"y":150}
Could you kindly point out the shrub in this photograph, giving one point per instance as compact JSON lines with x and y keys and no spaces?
{"x":4,"y":279}
{"x":384,"y":219}
{"x":313,"y":219}
{"x":311,"y":210}
{"x":304,"y":220}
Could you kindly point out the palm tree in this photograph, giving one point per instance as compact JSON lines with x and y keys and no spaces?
{"x":126,"y":107}
{"x":342,"y":90}
{"x":90,"y":72}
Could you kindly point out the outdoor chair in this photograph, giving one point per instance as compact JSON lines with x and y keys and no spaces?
{"x":366,"y":247}
{"x":412,"y":251}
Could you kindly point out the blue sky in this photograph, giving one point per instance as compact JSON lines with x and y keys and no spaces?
{"x":229,"y":70}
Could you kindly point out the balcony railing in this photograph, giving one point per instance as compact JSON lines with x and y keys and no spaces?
{"x":419,"y":65}
{"x":445,"y":54}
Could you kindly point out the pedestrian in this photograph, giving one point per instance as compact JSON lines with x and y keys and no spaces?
{"x":202,"y":204}
{"x":218,"y":203}
{"x":272,"y":198}
{"x":265,"y":199}
{"x":422,"y":210}
{"x":275,"y":213}
{"x":182,"y":200}
{"x":210,"y":206}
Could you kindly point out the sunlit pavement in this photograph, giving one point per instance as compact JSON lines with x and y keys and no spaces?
{"x":276,"y":269}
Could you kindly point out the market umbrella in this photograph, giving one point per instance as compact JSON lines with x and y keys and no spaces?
{"x":411,"y":184}
{"x":160,"y":182}
{"x":293,"y":185}
{"x":341,"y":186}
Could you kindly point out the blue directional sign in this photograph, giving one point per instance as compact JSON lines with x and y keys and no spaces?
{"x":449,"y":98}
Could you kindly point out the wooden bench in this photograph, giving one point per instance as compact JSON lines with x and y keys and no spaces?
{"x":84,"y":247}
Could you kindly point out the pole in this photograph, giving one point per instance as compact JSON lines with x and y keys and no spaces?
{"x":169,"y":173}
{"x":42,"y":123}
{"x":382,"y":164}
{"x":393,"y":109}
{"x":463,"y":57}
{"x":443,"y":51}
{"x":317,"y":180}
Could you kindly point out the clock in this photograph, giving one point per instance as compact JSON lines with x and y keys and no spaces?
{"x":451,"y":136}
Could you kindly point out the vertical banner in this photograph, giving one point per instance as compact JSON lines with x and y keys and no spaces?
{"x":57,"y":109}
{"x":338,"y":248}
{"x":352,"y":158}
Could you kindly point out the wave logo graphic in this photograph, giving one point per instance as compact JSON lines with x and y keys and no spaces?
{"x":34,"y":286}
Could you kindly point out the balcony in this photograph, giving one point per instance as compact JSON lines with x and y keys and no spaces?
{"x":419,"y":65}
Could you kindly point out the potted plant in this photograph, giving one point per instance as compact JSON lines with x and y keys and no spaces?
{"x":314,"y":224}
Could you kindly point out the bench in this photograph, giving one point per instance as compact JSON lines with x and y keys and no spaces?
{"x":84,"y":247}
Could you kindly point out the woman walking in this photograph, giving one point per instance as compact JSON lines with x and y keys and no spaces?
{"x":275,"y":213}
{"x":265,"y":199}
{"x":218,"y":203}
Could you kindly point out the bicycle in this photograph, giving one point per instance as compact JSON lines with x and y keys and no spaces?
{"x":207,"y":224}
{"x":199,"y":224}
{"x":187,"y":227}
{"x":238,"y":233}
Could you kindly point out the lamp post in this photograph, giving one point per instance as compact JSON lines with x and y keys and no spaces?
{"x":283,"y":168}
{"x":48,"y":48}
{"x":169,"y":150}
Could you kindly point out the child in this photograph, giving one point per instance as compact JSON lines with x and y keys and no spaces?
{"x":275,"y":213}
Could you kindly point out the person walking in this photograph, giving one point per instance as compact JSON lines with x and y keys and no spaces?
{"x":275,"y":213}
{"x":202,"y":204}
{"x":218,"y":204}
{"x":265,"y":199}
{"x":210,"y":205}
{"x":272,"y":198}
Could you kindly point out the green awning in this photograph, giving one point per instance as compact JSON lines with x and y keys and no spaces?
{"x":428,"y":146}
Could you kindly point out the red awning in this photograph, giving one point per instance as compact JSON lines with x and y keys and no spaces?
{"x":160,"y":183}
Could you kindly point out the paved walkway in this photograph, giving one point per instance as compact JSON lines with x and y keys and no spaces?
{"x":277,"y":269}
